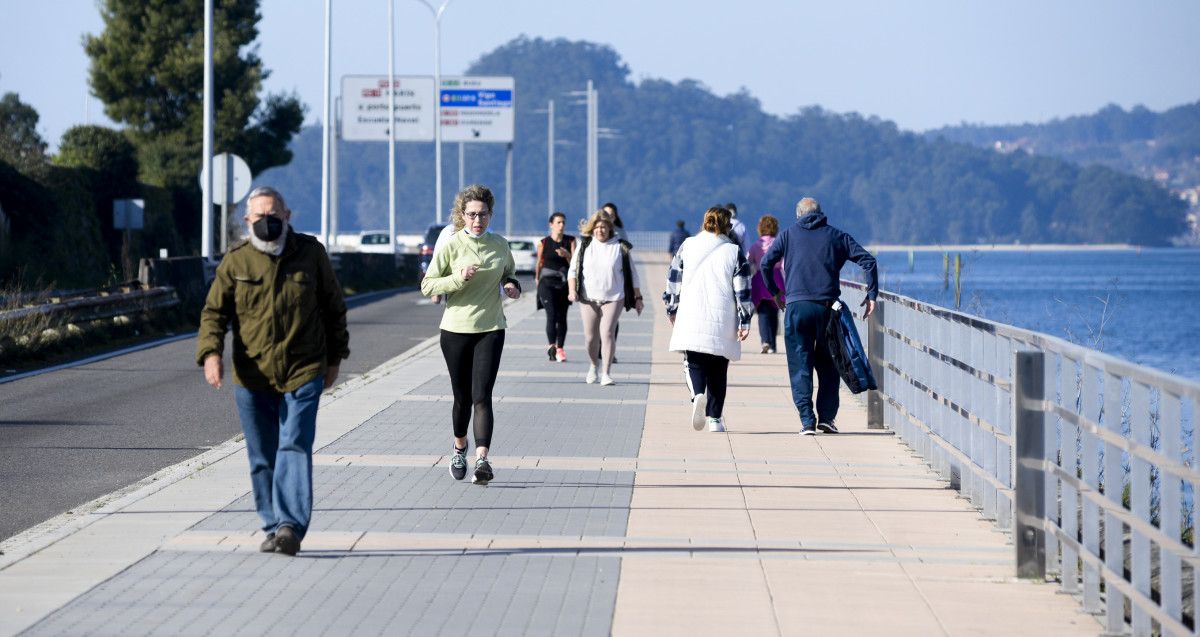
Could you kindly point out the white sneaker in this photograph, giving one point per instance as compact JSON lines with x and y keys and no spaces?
{"x":716,"y":425}
{"x":591,"y":375}
{"x":699,"y":401}
{"x":605,"y":379}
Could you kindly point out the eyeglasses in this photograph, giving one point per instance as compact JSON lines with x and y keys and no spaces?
{"x":476,"y":215}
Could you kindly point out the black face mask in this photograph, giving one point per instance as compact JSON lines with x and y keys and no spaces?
{"x":268,"y":228}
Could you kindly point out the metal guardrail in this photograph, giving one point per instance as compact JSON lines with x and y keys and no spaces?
{"x":90,"y":308}
{"x":1086,"y":458}
{"x":650,"y":240}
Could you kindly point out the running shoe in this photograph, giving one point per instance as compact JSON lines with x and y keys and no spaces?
{"x":458,"y":465}
{"x":715,"y":425}
{"x":483,"y":471}
{"x":550,"y":352}
{"x":808,"y":430}
{"x":605,"y":379}
{"x":560,"y":354}
{"x":699,"y":402}
{"x":591,"y":375}
{"x":827,"y":428}
{"x":766,"y":349}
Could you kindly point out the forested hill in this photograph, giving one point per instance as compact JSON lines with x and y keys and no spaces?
{"x":1163,"y":146}
{"x":681,"y":148}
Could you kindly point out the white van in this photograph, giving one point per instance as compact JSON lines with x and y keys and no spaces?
{"x":375,"y":242}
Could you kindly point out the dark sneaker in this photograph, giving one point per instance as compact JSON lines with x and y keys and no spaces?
{"x":286,"y":541}
{"x":552,"y":352}
{"x":808,"y":430}
{"x":483,"y":471}
{"x":827,"y":427}
{"x":268,"y":545}
{"x":458,"y":465}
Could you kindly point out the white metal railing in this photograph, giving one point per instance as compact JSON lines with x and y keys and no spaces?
{"x":1086,"y":458}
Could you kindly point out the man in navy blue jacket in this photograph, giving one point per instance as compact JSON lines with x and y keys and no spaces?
{"x":813,"y":253}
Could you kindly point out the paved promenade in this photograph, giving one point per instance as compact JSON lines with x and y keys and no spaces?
{"x":608,"y":514}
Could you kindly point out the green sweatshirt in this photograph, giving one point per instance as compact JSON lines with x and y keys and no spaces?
{"x":477,"y":305}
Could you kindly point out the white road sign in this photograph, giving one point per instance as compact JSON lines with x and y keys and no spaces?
{"x":230,"y":180}
{"x":477,"y":109}
{"x":365,"y":107}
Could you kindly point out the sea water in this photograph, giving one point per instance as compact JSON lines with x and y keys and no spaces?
{"x":1139,"y":305}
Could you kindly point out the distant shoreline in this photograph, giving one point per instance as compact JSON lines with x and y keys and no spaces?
{"x":1005,"y":247}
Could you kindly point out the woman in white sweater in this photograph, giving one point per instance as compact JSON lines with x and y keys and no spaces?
{"x":604,"y":281}
{"x":708,"y":303}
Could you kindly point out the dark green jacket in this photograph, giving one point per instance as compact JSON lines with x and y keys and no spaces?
{"x":287,"y":312}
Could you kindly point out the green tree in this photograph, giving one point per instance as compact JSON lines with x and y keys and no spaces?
{"x":103,"y":150}
{"x":20,"y":144}
{"x":147,"y":66}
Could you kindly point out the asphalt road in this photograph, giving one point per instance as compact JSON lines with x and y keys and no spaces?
{"x":70,"y":436}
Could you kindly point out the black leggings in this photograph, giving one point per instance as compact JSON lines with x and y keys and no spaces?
{"x":708,"y":373}
{"x":554,"y":299}
{"x":473,"y":360}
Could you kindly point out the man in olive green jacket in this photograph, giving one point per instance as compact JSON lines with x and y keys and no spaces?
{"x":278,"y":291}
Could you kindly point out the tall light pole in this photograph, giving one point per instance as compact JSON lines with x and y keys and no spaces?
{"x":437,"y":98}
{"x":207,"y":145}
{"x":549,"y":111}
{"x":326,"y":129}
{"x":593,"y":155}
{"x":392,"y":125}
{"x":591,"y":99}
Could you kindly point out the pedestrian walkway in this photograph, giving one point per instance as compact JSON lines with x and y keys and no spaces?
{"x":608,"y":514}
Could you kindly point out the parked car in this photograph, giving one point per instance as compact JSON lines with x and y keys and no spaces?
{"x":375,"y":241}
{"x":524,"y":251}
{"x":431,"y":237}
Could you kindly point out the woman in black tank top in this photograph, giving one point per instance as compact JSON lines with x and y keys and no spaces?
{"x":553,"y":260}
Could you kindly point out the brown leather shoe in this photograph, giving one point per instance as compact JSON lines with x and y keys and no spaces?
{"x":286,"y":541}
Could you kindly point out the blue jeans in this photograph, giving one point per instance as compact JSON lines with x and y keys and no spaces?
{"x":279,"y":432}
{"x":804,"y":339}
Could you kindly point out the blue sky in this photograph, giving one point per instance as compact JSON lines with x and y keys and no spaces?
{"x":922,"y":64}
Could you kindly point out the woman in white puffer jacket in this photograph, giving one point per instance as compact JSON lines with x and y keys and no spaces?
{"x":708,"y":303}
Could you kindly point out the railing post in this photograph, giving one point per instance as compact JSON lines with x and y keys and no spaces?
{"x":1029,"y":475}
{"x":875,"y":337}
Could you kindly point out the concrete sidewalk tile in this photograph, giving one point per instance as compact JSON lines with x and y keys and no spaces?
{"x":1013,"y":607}
{"x":693,"y":597}
{"x":815,"y":524}
{"x":705,"y":523}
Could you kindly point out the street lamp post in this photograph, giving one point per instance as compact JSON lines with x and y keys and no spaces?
{"x":550,"y":157}
{"x":326,"y":129}
{"x":392,"y":126}
{"x":206,"y":198}
{"x":437,"y":98}
{"x":591,"y":99}
{"x":549,"y":112}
